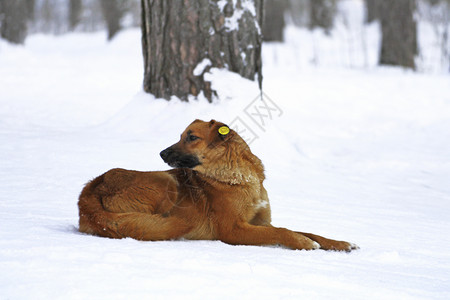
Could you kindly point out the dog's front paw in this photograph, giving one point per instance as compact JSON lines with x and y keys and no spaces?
{"x":315,"y":246}
{"x":339,"y":246}
{"x":307,"y":244}
{"x":353,"y":247}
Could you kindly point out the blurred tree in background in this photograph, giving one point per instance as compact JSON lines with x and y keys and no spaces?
{"x":21,"y":17}
{"x":437,"y":12}
{"x":322,"y":14}
{"x":398,"y":30}
{"x":372,"y":10}
{"x":13,"y":20}
{"x":274,"y":20}
{"x":113,"y":12}
{"x":396,"y":20}
{"x":75,"y":11}
{"x":399,"y":33}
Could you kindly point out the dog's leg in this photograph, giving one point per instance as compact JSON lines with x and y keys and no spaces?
{"x":328,"y":244}
{"x":247,"y":234}
{"x":149,"y":227}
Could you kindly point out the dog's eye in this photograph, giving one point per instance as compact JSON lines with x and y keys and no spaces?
{"x":192,"y":138}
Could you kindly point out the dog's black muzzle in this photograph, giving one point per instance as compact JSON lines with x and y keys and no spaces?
{"x":177,"y":159}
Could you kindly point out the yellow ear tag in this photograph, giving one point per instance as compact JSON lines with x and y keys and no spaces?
{"x":224,"y":130}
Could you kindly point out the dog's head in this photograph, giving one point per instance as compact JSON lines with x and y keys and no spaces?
{"x":200,"y":143}
{"x":215,"y":150}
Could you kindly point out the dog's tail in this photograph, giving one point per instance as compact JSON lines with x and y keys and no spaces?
{"x":94,"y":219}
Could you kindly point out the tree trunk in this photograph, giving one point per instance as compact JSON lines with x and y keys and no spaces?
{"x":372,"y":10}
{"x":30,"y":5}
{"x":75,"y":10}
{"x":399,"y":33}
{"x":13,"y":20}
{"x":112,"y":13}
{"x":322,"y":14}
{"x":182,"y":40}
{"x":273,"y":24}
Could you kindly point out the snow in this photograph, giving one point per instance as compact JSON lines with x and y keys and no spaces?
{"x":201,"y":66}
{"x":357,"y":154}
{"x":232,"y":22}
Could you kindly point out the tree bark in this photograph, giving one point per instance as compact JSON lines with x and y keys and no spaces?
{"x":13,"y":20}
{"x":399,"y":33}
{"x":182,"y":40}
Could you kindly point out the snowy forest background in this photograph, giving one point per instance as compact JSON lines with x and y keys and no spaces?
{"x":354,"y":150}
{"x":333,"y":16}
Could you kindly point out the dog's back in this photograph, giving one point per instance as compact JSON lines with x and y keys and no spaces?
{"x":115,"y":205}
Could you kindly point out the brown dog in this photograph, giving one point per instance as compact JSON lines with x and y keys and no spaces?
{"x":215,"y":192}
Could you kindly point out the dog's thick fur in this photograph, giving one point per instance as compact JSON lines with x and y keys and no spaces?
{"x":215,"y":192}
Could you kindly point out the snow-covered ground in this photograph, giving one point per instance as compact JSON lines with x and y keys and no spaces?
{"x":355,"y":154}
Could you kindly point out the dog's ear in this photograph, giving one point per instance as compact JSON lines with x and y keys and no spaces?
{"x":224,"y":132}
{"x":220,"y":132}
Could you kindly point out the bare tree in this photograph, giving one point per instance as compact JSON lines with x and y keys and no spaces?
{"x":274,"y":23}
{"x":13,"y":20}
{"x":183,"y":39}
{"x":372,"y":10}
{"x":437,"y":14}
{"x":112,"y":12}
{"x":75,"y":10}
{"x":297,"y":12}
{"x":30,"y":6}
{"x":322,"y":14}
{"x":399,"y":33}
